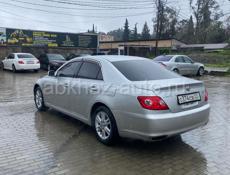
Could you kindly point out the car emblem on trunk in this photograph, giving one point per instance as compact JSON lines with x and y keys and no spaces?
{"x":187,"y":88}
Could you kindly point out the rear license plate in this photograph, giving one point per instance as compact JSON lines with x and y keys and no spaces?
{"x":188,"y":98}
{"x":30,"y":62}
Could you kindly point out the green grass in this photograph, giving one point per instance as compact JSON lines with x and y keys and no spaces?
{"x":221,"y":65}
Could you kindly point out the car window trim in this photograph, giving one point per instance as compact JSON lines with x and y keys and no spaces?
{"x":68,"y":64}
{"x":186,"y":57}
{"x":94,"y":62}
{"x":180,"y":57}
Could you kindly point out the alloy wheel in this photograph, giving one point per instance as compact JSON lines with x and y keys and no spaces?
{"x":201,"y":71}
{"x":103,"y":125}
{"x":38,"y":98}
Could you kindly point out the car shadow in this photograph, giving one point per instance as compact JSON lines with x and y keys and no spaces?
{"x":73,"y":146}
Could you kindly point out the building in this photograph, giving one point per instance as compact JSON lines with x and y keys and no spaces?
{"x":138,"y":47}
{"x":104,"y":37}
{"x":205,"y":47}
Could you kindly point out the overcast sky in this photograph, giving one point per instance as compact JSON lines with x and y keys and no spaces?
{"x":79,"y":15}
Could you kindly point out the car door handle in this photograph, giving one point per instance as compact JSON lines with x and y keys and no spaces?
{"x":93,"y":88}
{"x":66,"y":85}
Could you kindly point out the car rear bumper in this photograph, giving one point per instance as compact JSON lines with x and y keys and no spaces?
{"x":28,"y":67}
{"x":148,"y":127}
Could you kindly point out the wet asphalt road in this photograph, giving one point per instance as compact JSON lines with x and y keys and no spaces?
{"x":49,"y":142}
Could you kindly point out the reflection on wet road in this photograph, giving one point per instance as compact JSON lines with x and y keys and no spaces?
{"x":49,"y":142}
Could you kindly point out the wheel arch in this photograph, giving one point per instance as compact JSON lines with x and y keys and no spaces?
{"x":35,"y":87}
{"x":94,"y":107}
{"x":175,"y":68}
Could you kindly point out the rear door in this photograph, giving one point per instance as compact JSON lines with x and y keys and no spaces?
{"x":88,"y":82}
{"x":192,"y":68}
{"x":6,"y":61}
{"x":181,"y":65}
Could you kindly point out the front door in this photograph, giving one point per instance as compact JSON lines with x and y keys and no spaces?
{"x":64,"y":91}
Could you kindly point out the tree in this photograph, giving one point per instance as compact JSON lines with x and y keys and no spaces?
{"x":126,"y":31}
{"x":190,"y":31}
{"x":165,"y":23}
{"x":205,"y":11}
{"x":185,"y":30}
{"x":93,"y":30}
{"x":135,"y":34}
{"x":146,"y":32}
{"x":216,"y":33}
{"x":117,"y":34}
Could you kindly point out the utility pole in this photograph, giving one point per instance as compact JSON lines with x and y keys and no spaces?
{"x":158,"y":6}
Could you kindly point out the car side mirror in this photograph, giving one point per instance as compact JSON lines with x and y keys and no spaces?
{"x":51,"y":73}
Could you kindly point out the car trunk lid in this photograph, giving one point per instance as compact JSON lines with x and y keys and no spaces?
{"x":170,"y":90}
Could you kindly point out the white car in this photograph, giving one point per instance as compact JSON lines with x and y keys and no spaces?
{"x":21,"y":61}
{"x":2,"y":38}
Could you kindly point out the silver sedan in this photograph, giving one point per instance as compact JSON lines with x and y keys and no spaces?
{"x":123,"y":96}
{"x":181,"y":64}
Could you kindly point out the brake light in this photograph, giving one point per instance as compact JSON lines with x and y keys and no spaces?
{"x":206,"y":95}
{"x":21,"y":62}
{"x":152,"y":103}
{"x":38,"y":61}
{"x":162,"y":64}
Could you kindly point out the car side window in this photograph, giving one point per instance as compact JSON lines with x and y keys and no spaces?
{"x":100,"y":76}
{"x":179,"y":59}
{"x":187,"y":60}
{"x":90,"y":70}
{"x":70,"y":69}
{"x":11,"y":56}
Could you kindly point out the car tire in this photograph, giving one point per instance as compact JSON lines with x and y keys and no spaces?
{"x":14,"y":68}
{"x":105,"y":126}
{"x":39,"y":100}
{"x":2,"y":66}
{"x":36,"y":70}
{"x":176,"y":71}
{"x":200,"y":71}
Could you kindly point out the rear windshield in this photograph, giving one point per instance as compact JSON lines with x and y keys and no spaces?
{"x":55,"y":57}
{"x":25,"y":56}
{"x":165,"y":58}
{"x":141,"y":70}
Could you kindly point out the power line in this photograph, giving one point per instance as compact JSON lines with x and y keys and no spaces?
{"x":68,"y":14}
{"x":15,"y":15}
{"x":72,"y":8}
{"x":121,"y":6}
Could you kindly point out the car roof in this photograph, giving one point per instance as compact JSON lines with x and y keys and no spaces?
{"x":18,"y":53}
{"x":112,"y":58}
{"x":175,"y":55}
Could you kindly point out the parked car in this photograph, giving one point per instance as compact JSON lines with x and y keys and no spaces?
{"x":21,"y":61}
{"x":124,"y":96}
{"x":51,"y":61}
{"x":2,"y":38}
{"x":99,"y":53}
{"x":181,"y":64}
{"x":73,"y":55}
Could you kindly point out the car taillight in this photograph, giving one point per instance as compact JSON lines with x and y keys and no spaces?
{"x":162,"y":64}
{"x":21,"y":62}
{"x":38,"y":61}
{"x":206,"y":95}
{"x":152,"y":103}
